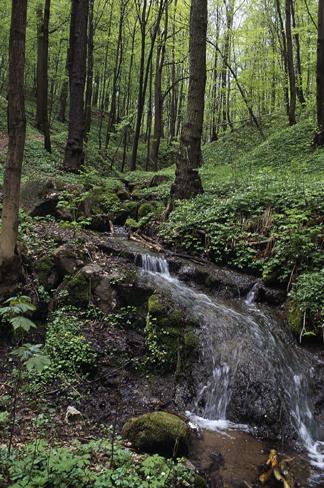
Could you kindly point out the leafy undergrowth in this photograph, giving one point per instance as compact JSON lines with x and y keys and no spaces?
{"x":101,"y":464}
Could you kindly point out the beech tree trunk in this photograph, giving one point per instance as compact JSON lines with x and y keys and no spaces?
{"x":291,"y":68}
{"x":88,"y":97}
{"x":17,"y":134}
{"x":188,"y":183}
{"x":319,"y":138}
{"x":42,"y":119}
{"x":158,"y":97}
{"x":144,"y":71}
{"x":74,"y":153}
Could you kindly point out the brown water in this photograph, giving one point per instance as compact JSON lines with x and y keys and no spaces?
{"x":243,"y":455}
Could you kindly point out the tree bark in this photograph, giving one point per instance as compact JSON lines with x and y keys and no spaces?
{"x":144,"y":72}
{"x":299,"y":75}
{"x":74,"y":153}
{"x":319,"y":138}
{"x":187,"y":182}
{"x":88,"y":97}
{"x":158,"y":97}
{"x":42,"y":119}
{"x":17,"y":135}
{"x":291,"y":68}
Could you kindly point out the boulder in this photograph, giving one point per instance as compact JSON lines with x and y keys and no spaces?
{"x":159,"y":180}
{"x":40,"y":198}
{"x":91,"y":284}
{"x":158,"y":432}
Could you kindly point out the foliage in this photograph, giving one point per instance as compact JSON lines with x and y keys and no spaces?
{"x":14,"y":312}
{"x":69,"y":351}
{"x":307,"y":293}
{"x":82,"y":466}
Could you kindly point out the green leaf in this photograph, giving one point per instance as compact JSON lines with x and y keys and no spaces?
{"x":38,"y":363}
{"x":22,"y":323}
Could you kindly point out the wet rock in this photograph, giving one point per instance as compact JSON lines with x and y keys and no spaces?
{"x":158,"y":432}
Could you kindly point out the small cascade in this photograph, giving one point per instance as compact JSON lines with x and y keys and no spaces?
{"x":252,"y":295}
{"x":155,"y":264}
{"x":234,"y":336}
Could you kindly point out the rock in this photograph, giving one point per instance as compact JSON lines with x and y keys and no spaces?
{"x":158,"y":432}
{"x":72,"y":415}
{"x":40,"y":198}
{"x":91,"y":284}
{"x":158,"y":180}
{"x":146,"y":209}
{"x":68,"y":259}
{"x":123,"y":194}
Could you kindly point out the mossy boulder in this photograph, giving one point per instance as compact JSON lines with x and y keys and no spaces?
{"x":132,"y":224}
{"x":170,"y":336}
{"x":158,"y":432}
{"x":295,"y":319}
{"x":146,"y":209}
{"x":123,"y":194}
{"x":46,"y":273}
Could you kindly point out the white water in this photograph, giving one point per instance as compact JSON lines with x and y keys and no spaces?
{"x":222,"y":324}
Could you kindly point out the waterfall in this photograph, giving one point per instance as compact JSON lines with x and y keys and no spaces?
{"x":232,"y":337}
{"x":155,"y":264}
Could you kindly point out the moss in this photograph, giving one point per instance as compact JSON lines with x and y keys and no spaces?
{"x":190,"y":342}
{"x":158,"y":432}
{"x":295,"y":319}
{"x":78,"y":290}
{"x":122,"y":194}
{"x":132,"y":223}
{"x":156,"y":307}
{"x":131,"y":209}
{"x":43,"y":269}
{"x":145,"y":209}
{"x":200,"y":482}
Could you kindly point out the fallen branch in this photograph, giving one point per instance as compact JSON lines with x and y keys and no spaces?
{"x":145,"y":241}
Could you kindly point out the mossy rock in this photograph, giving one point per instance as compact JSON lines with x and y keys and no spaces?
{"x":78,"y":290}
{"x":123,"y":194}
{"x":159,"y":433}
{"x":145,"y":209}
{"x":200,"y":482}
{"x":132,"y":224}
{"x":190,"y":342}
{"x":131,"y":209}
{"x":44,"y":269}
{"x":156,"y":305}
{"x":295,"y":318}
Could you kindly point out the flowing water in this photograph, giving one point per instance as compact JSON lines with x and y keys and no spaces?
{"x":234,"y":335}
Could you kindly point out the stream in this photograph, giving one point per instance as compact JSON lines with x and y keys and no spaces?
{"x":235,"y":336}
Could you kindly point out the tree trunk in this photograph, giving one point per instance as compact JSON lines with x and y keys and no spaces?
{"x":291,"y":68}
{"x":74,"y":153}
{"x":17,"y":134}
{"x":158,"y":98}
{"x":88,"y":97}
{"x":299,"y":76}
{"x":187,"y":183}
{"x":42,"y":120}
{"x":319,"y":138}
{"x":144,"y":73}
{"x":112,"y":118}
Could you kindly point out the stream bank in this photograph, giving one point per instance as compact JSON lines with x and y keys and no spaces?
{"x":122,"y":385}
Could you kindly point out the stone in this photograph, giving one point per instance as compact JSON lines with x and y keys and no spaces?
{"x":72,"y":415}
{"x":159,"y":180}
{"x":158,"y":432}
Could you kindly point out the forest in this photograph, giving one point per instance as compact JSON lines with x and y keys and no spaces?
{"x":161,"y":243}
